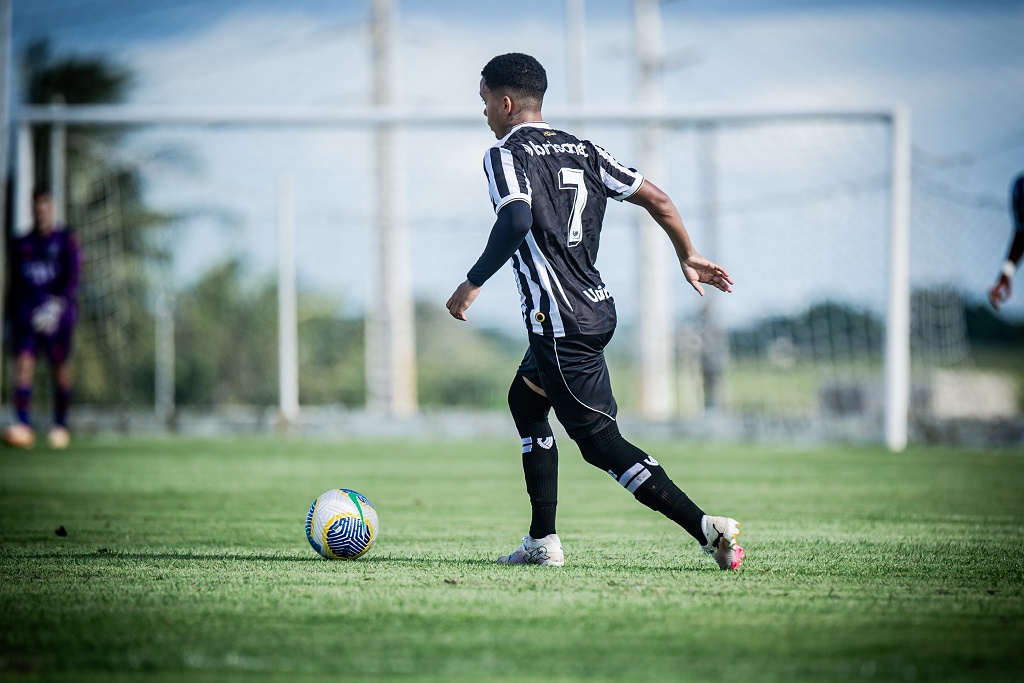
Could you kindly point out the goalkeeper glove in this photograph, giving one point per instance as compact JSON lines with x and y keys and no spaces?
{"x":46,"y":317}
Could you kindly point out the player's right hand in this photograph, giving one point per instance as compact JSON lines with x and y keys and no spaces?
{"x":1000,"y":292}
{"x":697,"y":270}
{"x":463,"y":297}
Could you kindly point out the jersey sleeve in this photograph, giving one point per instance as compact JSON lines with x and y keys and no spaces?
{"x":506,"y":178}
{"x":620,"y":181}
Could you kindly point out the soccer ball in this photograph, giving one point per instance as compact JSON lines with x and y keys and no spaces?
{"x":341,"y":524}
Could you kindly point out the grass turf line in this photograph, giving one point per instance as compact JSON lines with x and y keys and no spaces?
{"x":188,"y":558}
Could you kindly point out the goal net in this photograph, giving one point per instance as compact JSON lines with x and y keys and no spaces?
{"x":797,"y":208}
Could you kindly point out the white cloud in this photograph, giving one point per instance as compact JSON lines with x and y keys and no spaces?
{"x":958,"y":74}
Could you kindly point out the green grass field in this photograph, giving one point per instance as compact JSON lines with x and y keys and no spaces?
{"x":186,"y":559}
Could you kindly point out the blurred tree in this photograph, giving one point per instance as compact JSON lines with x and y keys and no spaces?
{"x":226,"y":340}
{"x":226,"y":344}
{"x":459,"y":365}
{"x":332,"y":370}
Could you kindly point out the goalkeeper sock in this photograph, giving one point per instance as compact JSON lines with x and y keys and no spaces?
{"x":61,"y":403}
{"x":23,"y":404}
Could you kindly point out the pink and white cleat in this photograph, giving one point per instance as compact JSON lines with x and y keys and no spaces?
{"x":721,"y":533}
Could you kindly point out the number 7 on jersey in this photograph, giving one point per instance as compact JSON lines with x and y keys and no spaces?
{"x":572,"y":179}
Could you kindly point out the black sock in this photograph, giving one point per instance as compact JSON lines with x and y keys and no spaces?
{"x":540,"y":467}
{"x":668,"y":499}
{"x":644,"y":477}
{"x":540,"y":455}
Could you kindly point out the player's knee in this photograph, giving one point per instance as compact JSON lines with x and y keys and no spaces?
{"x":529,"y":409}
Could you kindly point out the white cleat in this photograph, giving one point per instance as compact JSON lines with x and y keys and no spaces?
{"x":18,"y":435}
{"x":545,"y":551}
{"x":721,"y":533}
{"x":58,"y":438}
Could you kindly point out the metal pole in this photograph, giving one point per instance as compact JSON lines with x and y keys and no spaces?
{"x":657,"y":369}
{"x":58,"y":168}
{"x":714,"y":348}
{"x":897,"y":329}
{"x":576,"y":50}
{"x":5,"y":121}
{"x":164,"y":380}
{"x":23,"y":181}
{"x":287,"y":302}
{"x":390,"y":334}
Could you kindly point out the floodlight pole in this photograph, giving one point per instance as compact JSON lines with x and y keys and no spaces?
{"x":390,"y":340}
{"x":576,"y":50}
{"x":657,"y":370}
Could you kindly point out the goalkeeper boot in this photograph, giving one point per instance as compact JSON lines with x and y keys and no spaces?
{"x":18,"y":435}
{"x":721,"y":533}
{"x":545,"y":551}
{"x":58,"y":438}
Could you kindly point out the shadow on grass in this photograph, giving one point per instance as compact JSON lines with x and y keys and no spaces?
{"x":105,"y":556}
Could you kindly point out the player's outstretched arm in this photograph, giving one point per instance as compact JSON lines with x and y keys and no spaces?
{"x":696,"y":268}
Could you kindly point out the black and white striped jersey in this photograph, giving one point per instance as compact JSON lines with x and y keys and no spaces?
{"x":567,"y":183}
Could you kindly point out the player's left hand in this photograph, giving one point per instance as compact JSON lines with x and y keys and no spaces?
{"x":698,"y":269}
{"x":1000,"y":291}
{"x":463,"y":297}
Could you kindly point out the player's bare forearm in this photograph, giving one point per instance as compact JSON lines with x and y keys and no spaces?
{"x":696,"y":269}
{"x":1003,"y":287}
{"x":463,"y":297}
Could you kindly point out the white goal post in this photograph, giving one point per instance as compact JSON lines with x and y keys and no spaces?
{"x":896,"y":118}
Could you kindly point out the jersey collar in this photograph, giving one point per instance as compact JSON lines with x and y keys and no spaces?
{"x":531,"y":124}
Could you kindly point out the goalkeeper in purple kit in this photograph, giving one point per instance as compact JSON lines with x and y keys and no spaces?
{"x":43,"y":272}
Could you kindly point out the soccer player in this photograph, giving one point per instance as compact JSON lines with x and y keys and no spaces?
{"x":1002,"y":289}
{"x":549,"y":190}
{"x":43,"y":272}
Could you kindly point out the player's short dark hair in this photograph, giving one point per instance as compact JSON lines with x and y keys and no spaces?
{"x":41,"y":191}
{"x":518,"y":74}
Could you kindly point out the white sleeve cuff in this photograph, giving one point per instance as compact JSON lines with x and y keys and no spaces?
{"x":1009,"y":268}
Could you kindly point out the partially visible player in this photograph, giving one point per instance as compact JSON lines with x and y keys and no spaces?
{"x":549,"y":190}
{"x":1002,"y":289}
{"x":43,"y":270}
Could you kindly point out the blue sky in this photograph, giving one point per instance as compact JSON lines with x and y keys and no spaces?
{"x":958,"y":66}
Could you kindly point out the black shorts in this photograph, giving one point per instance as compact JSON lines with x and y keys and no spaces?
{"x":573,"y":373}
